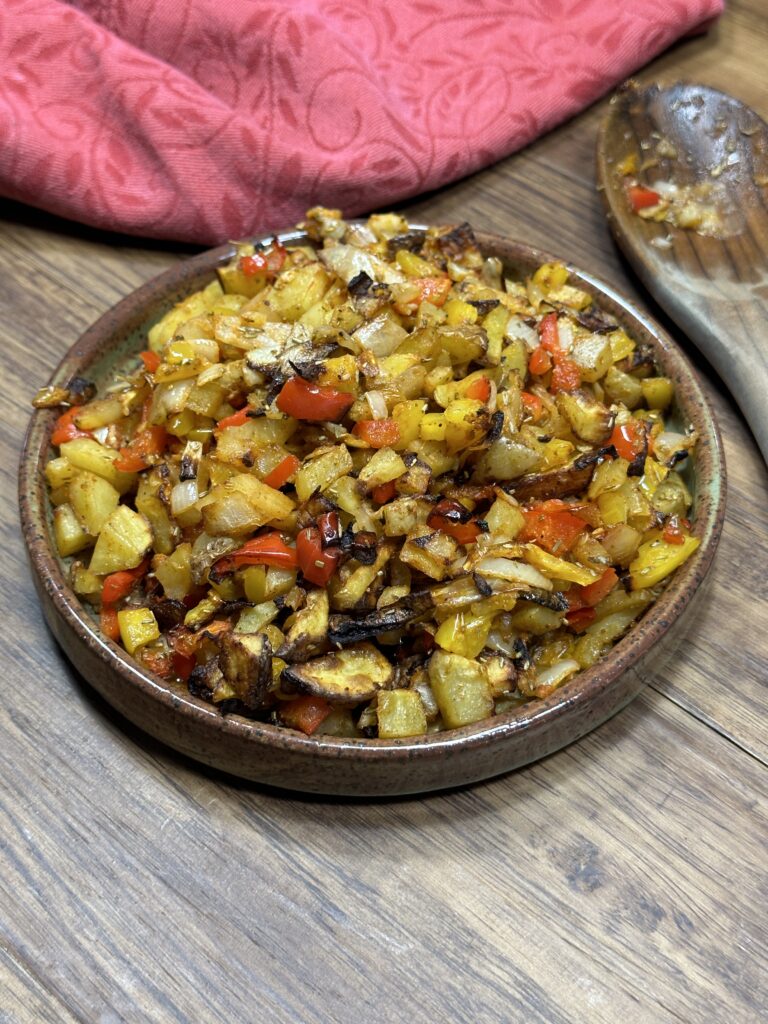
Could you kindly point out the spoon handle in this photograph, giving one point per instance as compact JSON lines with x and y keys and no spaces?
{"x":732,"y":332}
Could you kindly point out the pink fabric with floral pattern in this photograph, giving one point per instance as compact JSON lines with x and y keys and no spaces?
{"x":210,"y":119}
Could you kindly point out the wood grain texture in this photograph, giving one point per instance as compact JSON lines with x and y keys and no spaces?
{"x":623,"y":878}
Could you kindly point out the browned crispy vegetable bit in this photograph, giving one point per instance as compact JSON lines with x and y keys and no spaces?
{"x":372,"y":485}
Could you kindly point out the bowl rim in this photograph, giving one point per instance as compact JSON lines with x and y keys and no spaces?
{"x":131,"y":312}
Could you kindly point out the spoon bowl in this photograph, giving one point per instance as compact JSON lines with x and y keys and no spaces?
{"x":712,"y":281}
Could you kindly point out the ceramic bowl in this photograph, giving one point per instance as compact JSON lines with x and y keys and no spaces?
{"x":359,"y":767}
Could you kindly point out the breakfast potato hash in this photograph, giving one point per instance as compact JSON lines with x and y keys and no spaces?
{"x":369,"y":485}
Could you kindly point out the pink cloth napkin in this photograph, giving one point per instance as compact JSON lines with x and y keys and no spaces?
{"x":203,"y":120}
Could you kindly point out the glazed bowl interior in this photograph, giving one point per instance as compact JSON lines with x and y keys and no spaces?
{"x":284,"y":757}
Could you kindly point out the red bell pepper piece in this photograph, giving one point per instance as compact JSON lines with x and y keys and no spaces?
{"x":384,"y":493}
{"x":565,"y":376}
{"x":317,"y":563}
{"x":580,"y":618}
{"x":533,"y":405}
{"x":377,"y":433}
{"x":540,"y":361}
{"x":549,"y":337}
{"x":305,"y":713}
{"x":65,"y":429}
{"x":151,"y":360}
{"x":307,"y":401}
{"x":236,"y":419}
{"x":145,"y":444}
{"x":628,"y":439}
{"x":453,"y":518}
{"x":479,"y":389}
{"x":282,"y":472}
{"x":640,"y":198}
{"x":329,"y":526}
{"x":433,"y":289}
{"x":552,"y":526}
{"x":672,"y":533}
{"x":159,"y":662}
{"x":589,"y":596}
{"x":266,"y":261}
{"x":118,"y":585}
{"x":108,"y":622}
{"x":183,"y":664}
{"x":268,"y":549}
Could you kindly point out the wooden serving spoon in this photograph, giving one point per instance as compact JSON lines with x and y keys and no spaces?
{"x":714,"y":286}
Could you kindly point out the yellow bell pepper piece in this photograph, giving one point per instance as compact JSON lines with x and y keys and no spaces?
{"x":559,"y":568}
{"x":656,"y":559}
{"x":463,"y":634}
{"x":138,"y":626}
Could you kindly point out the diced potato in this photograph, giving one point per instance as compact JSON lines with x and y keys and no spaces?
{"x":657,"y":392}
{"x":400,"y":713}
{"x":404,"y":515}
{"x":138,"y":627}
{"x":348,"y":594}
{"x":93,"y":500}
{"x":69,"y":534}
{"x":241,"y":505}
{"x":589,"y":419}
{"x":467,"y":422}
{"x":86,"y":453}
{"x":174,"y":572}
{"x":123,"y":543}
{"x":384,"y":465}
{"x":535,"y":619}
{"x":622,"y":387}
{"x":322,"y":469}
{"x":298,"y":289}
{"x":505,"y":519}
{"x":84,"y":582}
{"x":99,"y":413}
{"x":153,"y":500}
{"x":495,"y":326}
{"x":461,"y":689}
{"x":58,"y":472}
{"x":340,"y":373}
{"x":199,"y":302}
{"x":429,"y":551}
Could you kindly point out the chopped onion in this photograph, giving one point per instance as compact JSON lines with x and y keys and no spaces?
{"x":666,"y":444}
{"x":565,"y":334}
{"x":101,"y":434}
{"x":555,"y":675}
{"x":348,"y":261}
{"x":378,"y":404}
{"x":517,"y":328}
{"x":183,"y":496}
{"x":517,"y":572}
{"x":381,"y":336}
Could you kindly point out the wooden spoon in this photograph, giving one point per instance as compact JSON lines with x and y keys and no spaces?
{"x":714,"y":286}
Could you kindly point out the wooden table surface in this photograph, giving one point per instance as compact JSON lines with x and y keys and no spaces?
{"x":623,"y":878}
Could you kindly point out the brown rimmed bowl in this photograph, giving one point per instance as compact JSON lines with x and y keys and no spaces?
{"x":359,"y":767}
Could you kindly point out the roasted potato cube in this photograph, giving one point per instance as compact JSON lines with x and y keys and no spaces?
{"x":309,"y":629}
{"x":429,"y":551}
{"x":400,"y":713}
{"x":322,"y":469}
{"x":589,"y":419}
{"x":175,"y":572}
{"x":69,"y":534}
{"x":93,"y":500}
{"x":461,"y":689}
{"x":123,"y":543}
{"x":593,"y":356}
{"x":86,"y":453}
{"x":383,"y":466}
{"x":246,"y":662}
